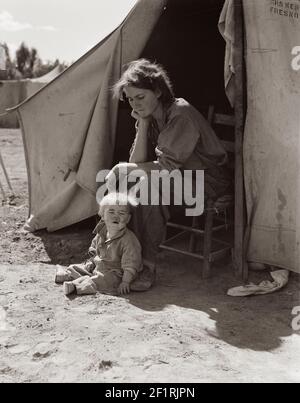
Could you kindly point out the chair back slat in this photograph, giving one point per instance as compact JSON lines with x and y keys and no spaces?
{"x":229,"y":146}
{"x":222,"y":120}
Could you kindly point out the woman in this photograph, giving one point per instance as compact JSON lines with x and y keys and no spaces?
{"x":170,"y":134}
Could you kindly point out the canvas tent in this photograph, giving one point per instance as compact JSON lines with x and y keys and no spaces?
{"x":14,"y":92}
{"x":35,"y":84}
{"x":74,"y":125}
{"x":272,"y":132}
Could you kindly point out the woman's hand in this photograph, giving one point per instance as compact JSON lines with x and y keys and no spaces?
{"x":138,"y":151}
{"x":141,"y":121}
{"x":111,"y":179}
{"x":135,"y":115}
{"x":118,"y":173}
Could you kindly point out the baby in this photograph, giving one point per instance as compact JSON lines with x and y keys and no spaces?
{"x":115,"y":253}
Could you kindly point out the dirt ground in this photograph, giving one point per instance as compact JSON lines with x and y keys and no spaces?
{"x":183,"y":330}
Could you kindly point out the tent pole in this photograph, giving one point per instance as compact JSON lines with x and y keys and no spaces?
{"x":2,"y":191}
{"x":5,"y":173}
{"x":239,"y":230}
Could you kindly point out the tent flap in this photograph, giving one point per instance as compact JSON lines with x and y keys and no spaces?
{"x":71,"y":123}
{"x":271,"y":148}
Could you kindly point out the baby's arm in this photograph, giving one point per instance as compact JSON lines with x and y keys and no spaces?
{"x":128,"y":276}
{"x":91,"y":263}
{"x":131,"y":262}
{"x":92,"y":248}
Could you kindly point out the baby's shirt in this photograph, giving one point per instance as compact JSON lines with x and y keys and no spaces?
{"x":118,"y":254}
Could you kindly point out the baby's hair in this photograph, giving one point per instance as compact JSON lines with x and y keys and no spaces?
{"x":114,"y":199}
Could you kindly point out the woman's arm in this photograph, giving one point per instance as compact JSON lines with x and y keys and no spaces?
{"x":139,"y":149}
{"x":176,"y":143}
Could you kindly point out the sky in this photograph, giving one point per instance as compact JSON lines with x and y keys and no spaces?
{"x":63,"y":29}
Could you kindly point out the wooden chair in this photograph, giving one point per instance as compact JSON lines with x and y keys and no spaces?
{"x":214,"y":219}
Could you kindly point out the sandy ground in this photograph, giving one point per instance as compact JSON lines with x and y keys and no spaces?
{"x":183,"y":330}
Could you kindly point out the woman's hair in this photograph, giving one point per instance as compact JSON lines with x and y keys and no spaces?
{"x":145,"y":75}
{"x":115,"y":199}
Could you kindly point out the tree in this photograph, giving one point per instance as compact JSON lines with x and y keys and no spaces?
{"x":41,"y":68}
{"x":26,"y":59}
{"x":27,"y":64}
{"x":10,"y":72}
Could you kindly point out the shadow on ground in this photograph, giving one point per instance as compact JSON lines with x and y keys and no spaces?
{"x":69,"y":245}
{"x":257,"y":323}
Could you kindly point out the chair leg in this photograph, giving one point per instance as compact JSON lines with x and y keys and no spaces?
{"x":193,"y":238}
{"x":209,"y":217}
